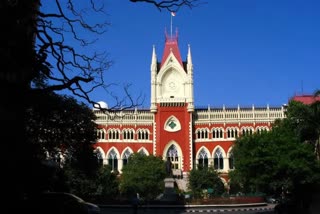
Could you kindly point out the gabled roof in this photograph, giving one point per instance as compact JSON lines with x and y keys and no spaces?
{"x":306,"y":99}
{"x":171,"y":45}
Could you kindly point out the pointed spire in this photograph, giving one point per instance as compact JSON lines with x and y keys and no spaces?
{"x":154,"y":55}
{"x":171,"y":46}
{"x":189,"y":58}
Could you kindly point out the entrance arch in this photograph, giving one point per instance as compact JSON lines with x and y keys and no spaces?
{"x":173,"y":152}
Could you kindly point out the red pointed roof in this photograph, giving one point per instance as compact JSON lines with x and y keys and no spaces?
{"x":171,"y":45}
{"x":306,"y":99}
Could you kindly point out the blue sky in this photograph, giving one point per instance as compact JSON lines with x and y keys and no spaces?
{"x":246,"y":52}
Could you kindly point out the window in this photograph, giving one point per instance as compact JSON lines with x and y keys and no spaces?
{"x":112,"y":160}
{"x":218,"y":159}
{"x":126,"y":156}
{"x":247,"y":131}
{"x":172,"y":154}
{"x":203,"y":159}
{"x":128,"y":134}
{"x":172,"y":124}
{"x":142,"y":152}
{"x":231,"y":161}
{"x":143,"y":134}
{"x":114,"y":134}
{"x":260,"y":130}
{"x":99,"y":155}
{"x":232,"y":133}
{"x":100,"y":134}
{"x":202,"y":134}
{"x":217,"y":133}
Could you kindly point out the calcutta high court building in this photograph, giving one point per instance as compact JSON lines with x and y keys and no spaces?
{"x":173,"y":128}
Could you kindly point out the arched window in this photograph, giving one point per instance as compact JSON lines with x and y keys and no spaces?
{"x":127,"y":134}
{"x":142,"y":152}
{"x":202,"y":134}
{"x":113,"y":134}
{"x":112,"y":160}
{"x":172,"y":154}
{"x":217,"y":133}
{"x":231,"y":161}
{"x":100,"y":134}
{"x":143,"y":134}
{"x":218,"y":159}
{"x":261,"y":130}
{"x":232,"y":133}
{"x":99,"y":156}
{"x":126,"y":156}
{"x":203,"y":159}
{"x":247,"y":131}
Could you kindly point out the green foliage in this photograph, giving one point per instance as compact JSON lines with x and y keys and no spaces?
{"x":204,"y":178}
{"x":104,"y":185}
{"x":144,"y":175}
{"x":58,"y":125}
{"x":58,"y":122}
{"x":306,"y":122}
{"x":107,"y":183}
{"x":274,"y":161}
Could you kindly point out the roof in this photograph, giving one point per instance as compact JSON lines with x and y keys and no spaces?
{"x":171,"y":45}
{"x":306,"y":99}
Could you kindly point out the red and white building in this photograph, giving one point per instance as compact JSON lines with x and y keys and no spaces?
{"x":173,"y":127}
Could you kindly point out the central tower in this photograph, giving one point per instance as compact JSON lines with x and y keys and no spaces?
{"x":172,"y":103}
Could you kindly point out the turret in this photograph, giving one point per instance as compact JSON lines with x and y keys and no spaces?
{"x":190,"y":99}
{"x":153,"y":69}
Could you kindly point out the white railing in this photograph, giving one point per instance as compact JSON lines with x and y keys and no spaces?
{"x":128,"y":116}
{"x":238,"y":115}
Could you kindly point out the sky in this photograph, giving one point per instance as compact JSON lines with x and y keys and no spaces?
{"x":244,"y":52}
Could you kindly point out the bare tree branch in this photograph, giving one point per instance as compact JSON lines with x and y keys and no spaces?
{"x":171,"y":5}
{"x":64,"y":33}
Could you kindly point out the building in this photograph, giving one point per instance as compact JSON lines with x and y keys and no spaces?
{"x":173,"y":128}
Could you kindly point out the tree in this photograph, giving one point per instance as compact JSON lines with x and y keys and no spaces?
{"x":306,"y":122}
{"x":58,"y":122}
{"x":171,"y":5}
{"x":144,"y":175}
{"x":204,"y":178}
{"x":99,"y":187}
{"x":58,"y":130}
{"x":29,"y":41}
{"x":275,"y":162}
{"x":107,"y":184}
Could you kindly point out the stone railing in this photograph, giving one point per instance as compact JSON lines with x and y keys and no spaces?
{"x":128,"y":116}
{"x":238,"y":115}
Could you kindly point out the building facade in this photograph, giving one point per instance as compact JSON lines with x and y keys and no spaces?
{"x":173,"y":128}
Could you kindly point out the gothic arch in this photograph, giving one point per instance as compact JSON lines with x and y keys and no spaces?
{"x":202,"y":158}
{"x":126,"y":153}
{"x":126,"y":149}
{"x":112,"y":157}
{"x":143,"y":150}
{"x":169,"y":65}
{"x":205,"y":148}
{"x":230,"y":159}
{"x":169,"y":144}
{"x":221,"y":149}
{"x":173,"y":151}
{"x":113,"y":149}
{"x":100,"y":151}
{"x":219,"y":157}
{"x":229,"y":152}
